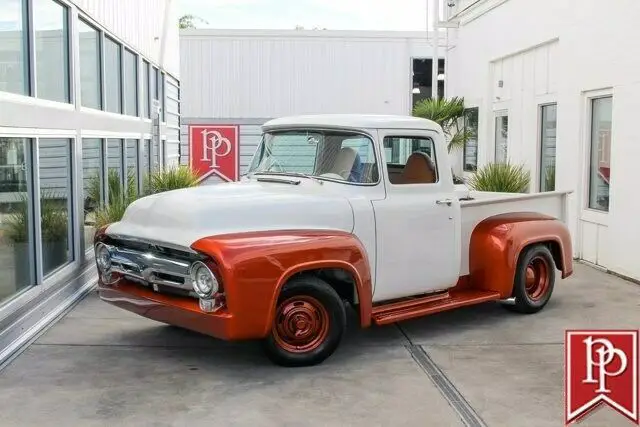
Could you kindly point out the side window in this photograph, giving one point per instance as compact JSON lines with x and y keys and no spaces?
{"x":410,"y":160}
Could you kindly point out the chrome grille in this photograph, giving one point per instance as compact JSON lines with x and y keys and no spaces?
{"x":148,"y":265}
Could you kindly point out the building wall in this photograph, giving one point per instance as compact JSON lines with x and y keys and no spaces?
{"x":248,"y":77}
{"x":564,"y":52}
{"x":76,"y":106}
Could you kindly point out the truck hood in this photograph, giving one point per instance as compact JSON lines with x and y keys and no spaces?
{"x":180,"y":217}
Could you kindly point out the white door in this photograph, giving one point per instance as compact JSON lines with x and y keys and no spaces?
{"x":418,"y":223}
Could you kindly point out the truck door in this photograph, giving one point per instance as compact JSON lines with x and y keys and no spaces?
{"x":418,"y":222}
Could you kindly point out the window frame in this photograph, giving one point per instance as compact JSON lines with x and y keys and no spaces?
{"x":589,"y":146}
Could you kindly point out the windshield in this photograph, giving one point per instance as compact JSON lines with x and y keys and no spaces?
{"x":338,"y":155}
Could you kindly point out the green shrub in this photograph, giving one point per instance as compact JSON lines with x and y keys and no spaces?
{"x":173,"y":178}
{"x":501,"y":177}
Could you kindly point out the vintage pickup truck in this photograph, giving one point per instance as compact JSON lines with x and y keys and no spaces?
{"x":334,"y":211}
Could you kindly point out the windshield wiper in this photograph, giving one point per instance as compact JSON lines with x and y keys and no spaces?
{"x":296,"y":174}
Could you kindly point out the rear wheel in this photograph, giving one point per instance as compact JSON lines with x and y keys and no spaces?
{"x":308,"y":325}
{"x":534,"y":280}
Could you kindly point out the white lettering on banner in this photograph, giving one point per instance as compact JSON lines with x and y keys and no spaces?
{"x":213,"y":141}
{"x":606,"y":355}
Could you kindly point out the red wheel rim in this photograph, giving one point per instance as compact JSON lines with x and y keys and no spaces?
{"x":301,"y":324}
{"x":537,"y":278}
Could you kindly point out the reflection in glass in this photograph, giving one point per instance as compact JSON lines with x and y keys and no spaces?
{"x":52,"y":50}
{"x":113,"y":80}
{"x":14,"y":71}
{"x":90,"y":72}
{"x":132,"y":166}
{"x":502,"y":138}
{"x":600,"y":168}
{"x":92,"y":177}
{"x":145,"y":89}
{"x":470,"y":151}
{"x":115,"y":172}
{"x":548,"y":146}
{"x":131,"y":83}
{"x":55,"y":203}
{"x":16,"y":261}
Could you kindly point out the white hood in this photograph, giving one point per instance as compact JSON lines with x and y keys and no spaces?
{"x":181,"y":217}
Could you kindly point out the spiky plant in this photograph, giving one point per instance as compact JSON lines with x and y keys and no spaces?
{"x":501,"y":177}
{"x":550,"y":178}
{"x":173,"y":178}
{"x":449,"y":114}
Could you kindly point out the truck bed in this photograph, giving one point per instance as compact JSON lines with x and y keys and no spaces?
{"x":478,"y":205}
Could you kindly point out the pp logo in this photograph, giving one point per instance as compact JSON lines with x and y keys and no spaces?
{"x":214,"y":150}
{"x":601,"y":368}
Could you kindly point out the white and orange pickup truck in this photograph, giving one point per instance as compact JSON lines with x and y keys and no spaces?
{"x":334,"y":210}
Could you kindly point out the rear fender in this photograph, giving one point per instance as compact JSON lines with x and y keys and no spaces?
{"x":497,"y":241}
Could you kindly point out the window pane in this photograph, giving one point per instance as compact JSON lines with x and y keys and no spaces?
{"x":132,"y":166}
{"x":161,"y":96}
{"x":14,"y":71}
{"x":93,"y":179}
{"x":89,"y":66}
{"x":52,"y":50}
{"x":131,"y":83}
{"x":548,"y":146}
{"x":410,"y":160}
{"x":145,"y":91}
{"x":156,"y":154}
{"x":113,"y":81}
{"x":600,"y":171}
{"x":114,"y":162}
{"x":470,"y":152}
{"x":55,"y":203}
{"x":502,"y":138}
{"x":16,"y":255}
{"x":146,"y":155}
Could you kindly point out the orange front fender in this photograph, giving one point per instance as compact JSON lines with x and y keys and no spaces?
{"x":496,"y":244}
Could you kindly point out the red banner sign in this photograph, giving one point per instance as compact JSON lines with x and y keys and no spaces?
{"x":214,"y":149}
{"x":601,"y":368}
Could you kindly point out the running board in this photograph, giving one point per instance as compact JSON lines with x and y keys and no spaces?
{"x":418,"y":307}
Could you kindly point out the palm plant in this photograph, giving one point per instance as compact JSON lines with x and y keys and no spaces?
{"x":449,"y":114}
{"x":501,"y":177}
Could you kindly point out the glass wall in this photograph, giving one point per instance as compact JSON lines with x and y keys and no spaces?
{"x":93,"y":189}
{"x":16,"y":227}
{"x":52,"y":50}
{"x":145,"y":90}
{"x":548,"y":147}
{"x":130,"y":83}
{"x":470,"y":151}
{"x":115,"y":157}
{"x":599,"y":166}
{"x":132,"y":166}
{"x":54,"y":157}
{"x":90,"y":66}
{"x":113,"y":79}
{"x":501,"y":138}
{"x":14,"y":69}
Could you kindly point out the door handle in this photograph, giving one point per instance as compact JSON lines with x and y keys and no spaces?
{"x":444,"y":202}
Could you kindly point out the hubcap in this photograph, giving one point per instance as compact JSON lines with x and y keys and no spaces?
{"x":537,"y":278}
{"x":301,"y":324}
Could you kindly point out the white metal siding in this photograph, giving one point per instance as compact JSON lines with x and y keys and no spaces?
{"x":271,"y":74}
{"x":172,"y":109}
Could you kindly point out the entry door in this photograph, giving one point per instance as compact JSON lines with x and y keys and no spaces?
{"x":418,"y":223}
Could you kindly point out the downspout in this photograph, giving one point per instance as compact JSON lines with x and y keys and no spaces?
{"x":436,"y":40}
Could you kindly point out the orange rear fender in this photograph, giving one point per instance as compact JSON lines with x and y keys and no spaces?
{"x":496,"y":244}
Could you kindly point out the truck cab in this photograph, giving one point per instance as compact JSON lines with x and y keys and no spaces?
{"x":334,"y":210}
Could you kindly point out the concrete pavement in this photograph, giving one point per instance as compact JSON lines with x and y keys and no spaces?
{"x":101,"y":366}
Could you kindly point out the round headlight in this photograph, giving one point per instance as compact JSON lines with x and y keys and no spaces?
{"x":103,"y":257}
{"x":203,"y":280}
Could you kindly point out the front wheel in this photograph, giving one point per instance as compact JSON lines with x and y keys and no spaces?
{"x":308,"y":325}
{"x":534,"y":280}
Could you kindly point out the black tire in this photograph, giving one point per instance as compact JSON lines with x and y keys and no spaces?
{"x":316,"y":305}
{"x":531,"y":296}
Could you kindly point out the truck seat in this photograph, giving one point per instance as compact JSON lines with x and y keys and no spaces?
{"x":419,"y":169}
{"x":344,"y":162}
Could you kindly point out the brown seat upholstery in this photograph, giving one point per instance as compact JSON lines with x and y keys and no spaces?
{"x":418,"y":170}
